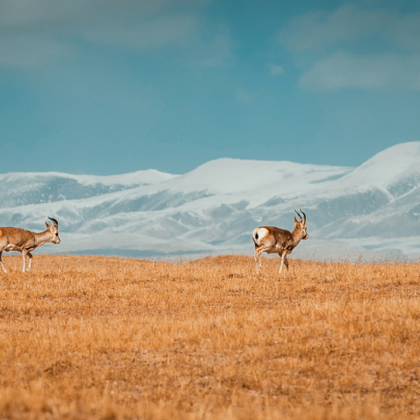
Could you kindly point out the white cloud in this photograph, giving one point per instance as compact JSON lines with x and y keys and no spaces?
{"x":28,"y":15}
{"x":322,"y":29}
{"x":25,"y":51}
{"x":343,"y":70}
{"x":350,"y":23}
{"x":331,"y":48}
{"x":276,"y":70}
{"x":141,"y":34}
{"x":32,"y":32}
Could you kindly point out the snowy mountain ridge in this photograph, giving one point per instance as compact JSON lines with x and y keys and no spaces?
{"x":371,"y":210}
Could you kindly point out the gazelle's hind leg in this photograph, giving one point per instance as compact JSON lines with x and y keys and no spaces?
{"x":30,"y":261}
{"x":284,"y":261}
{"x":1,"y":262}
{"x":257,"y":256}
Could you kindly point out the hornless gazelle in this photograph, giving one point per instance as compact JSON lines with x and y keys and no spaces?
{"x":25,"y":241}
{"x":273,"y":240}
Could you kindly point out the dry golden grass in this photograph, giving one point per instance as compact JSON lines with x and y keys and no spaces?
{"x":112,"y":338}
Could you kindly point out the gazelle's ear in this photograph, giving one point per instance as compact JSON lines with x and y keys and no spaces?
{"x":49,"y":225}
{"x":296,"y":222}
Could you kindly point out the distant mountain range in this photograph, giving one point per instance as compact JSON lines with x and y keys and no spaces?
{"x":371,"y":211}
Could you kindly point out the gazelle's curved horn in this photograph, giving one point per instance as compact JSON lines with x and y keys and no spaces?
{"x":54,"y":221}
{"x":304,"y":215}
{"x":300,"y":217}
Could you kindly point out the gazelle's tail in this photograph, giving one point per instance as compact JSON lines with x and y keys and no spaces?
{"x":256,"y":236}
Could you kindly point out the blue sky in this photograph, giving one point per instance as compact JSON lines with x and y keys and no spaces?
{"x":106,"y":87}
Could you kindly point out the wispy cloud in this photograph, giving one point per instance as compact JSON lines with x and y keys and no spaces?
{"x":324,"y":29}
{"x":331,"y":48}
{"x":34,"y":31}
{"x":141,"y":34}
{"x":30,"y":15}
{"x":26,"y":51}
{"x":343,"y":70}
{"x":276,"y":70}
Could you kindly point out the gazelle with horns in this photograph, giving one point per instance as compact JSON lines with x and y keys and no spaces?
{"x":273,"y":240}
{"x":25,"y":241}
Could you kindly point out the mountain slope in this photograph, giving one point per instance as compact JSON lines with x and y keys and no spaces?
{"x":213,"y":208}
{"x":33,"y":188}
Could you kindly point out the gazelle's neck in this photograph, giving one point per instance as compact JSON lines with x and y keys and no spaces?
{"x":43,"y":237}
{"x":297,"y":235}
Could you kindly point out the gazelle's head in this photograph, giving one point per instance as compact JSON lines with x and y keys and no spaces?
{"x":54,"y":230}
{"x":301,"y":225}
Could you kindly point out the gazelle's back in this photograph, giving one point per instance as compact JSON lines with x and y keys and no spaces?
{"x":273,"y":234}
{"x":15,"y":236}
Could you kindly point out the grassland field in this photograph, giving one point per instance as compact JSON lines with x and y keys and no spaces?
{"x":112,"y":338}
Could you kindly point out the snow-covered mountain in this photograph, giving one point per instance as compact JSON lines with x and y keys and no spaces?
{"x":372,"y":210}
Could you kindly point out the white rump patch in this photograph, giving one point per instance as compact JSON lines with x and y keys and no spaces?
{"x":262,"y":233}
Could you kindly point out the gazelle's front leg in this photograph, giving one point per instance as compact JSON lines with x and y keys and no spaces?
{"x":286,"y":262}
{"x":30,"y":261}
{"x":1,"y":262}
{"x":24,"y":253}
